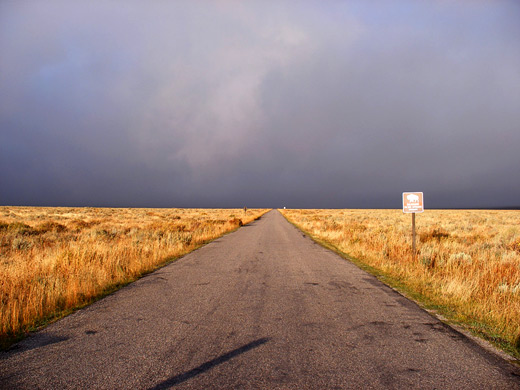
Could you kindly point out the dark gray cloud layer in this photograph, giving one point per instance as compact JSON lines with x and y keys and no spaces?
{"x":223,"y":103}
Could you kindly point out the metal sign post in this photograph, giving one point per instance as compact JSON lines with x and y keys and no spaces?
{"x":413,"y":203}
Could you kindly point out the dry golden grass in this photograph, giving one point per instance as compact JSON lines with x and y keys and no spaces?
{"x":468,"y":261}
{"x":55,"y":259}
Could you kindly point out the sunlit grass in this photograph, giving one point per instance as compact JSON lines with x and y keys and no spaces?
{"x":53,"y":260}
{"x":468,"y":261}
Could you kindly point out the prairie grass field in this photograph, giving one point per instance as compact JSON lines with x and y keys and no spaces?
{"x":53,"y":260}
{"x":467,"y":265}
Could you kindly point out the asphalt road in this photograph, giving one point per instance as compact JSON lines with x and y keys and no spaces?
{"x":261,"y":308}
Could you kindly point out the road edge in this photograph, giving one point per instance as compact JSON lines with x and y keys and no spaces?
{"x":10,"y":343}
{"x":487,"y":345}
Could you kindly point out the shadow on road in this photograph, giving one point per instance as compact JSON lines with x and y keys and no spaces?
{"x":208,"y":365}
{"x":34,"y":342}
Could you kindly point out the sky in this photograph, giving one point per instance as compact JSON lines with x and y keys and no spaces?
{"x":297,"y":104}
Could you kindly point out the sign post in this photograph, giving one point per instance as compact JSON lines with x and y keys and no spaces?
{"x":413,"y":203}
{"x":414,"y":248}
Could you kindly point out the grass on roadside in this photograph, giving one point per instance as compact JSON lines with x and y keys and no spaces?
{"x":55,"y":260}
{"x":467,"y":268}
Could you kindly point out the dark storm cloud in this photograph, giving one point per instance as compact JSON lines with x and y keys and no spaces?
{"x":315,"y":104}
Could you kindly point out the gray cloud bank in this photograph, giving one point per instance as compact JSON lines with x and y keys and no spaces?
{"x":269,"y":104}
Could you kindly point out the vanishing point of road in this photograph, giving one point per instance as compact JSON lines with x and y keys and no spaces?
{"x":261,"y":308}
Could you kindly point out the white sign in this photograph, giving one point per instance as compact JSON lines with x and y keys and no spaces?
{"x":413,"y":202}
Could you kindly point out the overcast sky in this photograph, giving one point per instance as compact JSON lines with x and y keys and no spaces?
{"x":304,"y":104}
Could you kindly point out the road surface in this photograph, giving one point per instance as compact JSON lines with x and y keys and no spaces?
{"x":262,"y":308}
